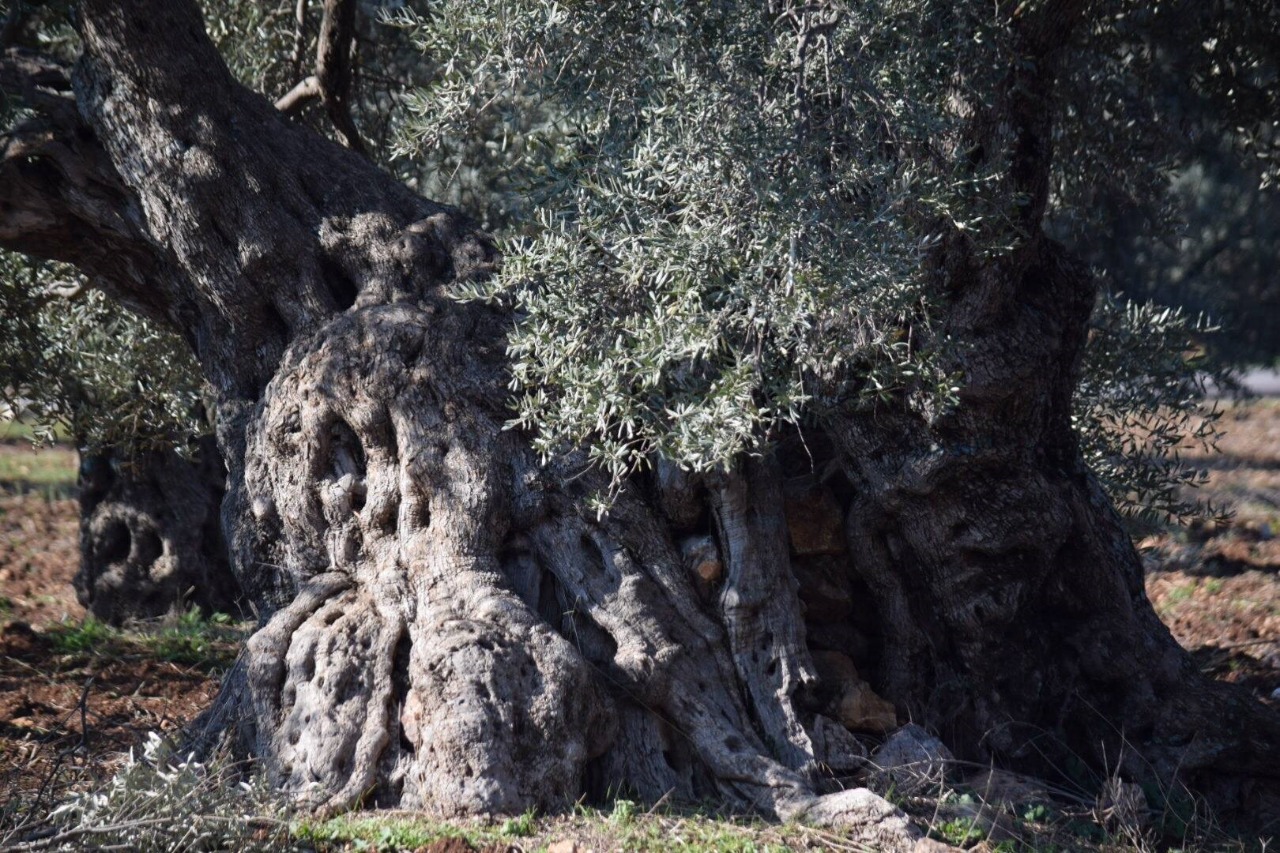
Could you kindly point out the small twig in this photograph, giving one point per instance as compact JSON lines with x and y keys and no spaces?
{"x":299,"y":36}
{"x":83,"y":705}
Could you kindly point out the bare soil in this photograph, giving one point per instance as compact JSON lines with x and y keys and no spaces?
{"x":1217,"y":587}
{"x":68,"y":716}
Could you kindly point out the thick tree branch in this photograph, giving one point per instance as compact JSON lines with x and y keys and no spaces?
{"x":60,"y":196}
{"x":331,"y":82}
{"x":333,"y":67}
{"x":292,"y":102}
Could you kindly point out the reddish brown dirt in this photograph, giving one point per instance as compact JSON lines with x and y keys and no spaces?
{"x":67,"y":717}
{"x":38,"y":556}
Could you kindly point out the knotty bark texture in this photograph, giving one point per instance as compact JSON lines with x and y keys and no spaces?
{"x":445,"y":626}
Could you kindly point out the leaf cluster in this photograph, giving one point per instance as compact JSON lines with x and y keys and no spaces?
{"x":72,"y":359}
{"x":733,"y":201}
{"x":1140,"y":406}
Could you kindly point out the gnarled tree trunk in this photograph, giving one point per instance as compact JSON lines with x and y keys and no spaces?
{"x":151,"y":535}
{"x":447,"y":627}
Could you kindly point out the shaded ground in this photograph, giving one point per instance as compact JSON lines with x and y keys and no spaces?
{"x":75,"y":696}
{"x":1218,"y":589}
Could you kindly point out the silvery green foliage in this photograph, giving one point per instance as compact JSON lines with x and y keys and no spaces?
{"x":730,"y":201}
{"x":106,"y":376}
{"x":1141,"y":403}
{"x":162,"y":801}
{"x":258,"y":39}
{"x":733,"y":200}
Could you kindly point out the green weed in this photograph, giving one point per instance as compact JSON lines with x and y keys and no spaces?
{"x":190,"y":639}
{"x":89,"y":636}
{"x":520,"y":827}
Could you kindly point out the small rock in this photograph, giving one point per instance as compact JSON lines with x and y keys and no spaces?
{"x":910,"y":760}
{"x":834,"y":667}
{"x":862,"y":817}
{"x":1000,"y":786}
{"x":850,"y":699}
{"x":566,"y":846}
{"x":815,"y":521}
{"x":861,"y":709}
{"x":931,"y":845}
{"x":835,"y":747}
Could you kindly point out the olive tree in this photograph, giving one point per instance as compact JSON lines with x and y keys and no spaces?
{"x":794,"y":362}
{"x":127,"y":390}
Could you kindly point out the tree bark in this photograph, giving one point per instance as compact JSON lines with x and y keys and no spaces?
{"x":446,"y":626}
{"x":151,"y":535}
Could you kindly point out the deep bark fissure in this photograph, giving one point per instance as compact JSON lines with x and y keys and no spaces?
{"x":447,"y":626}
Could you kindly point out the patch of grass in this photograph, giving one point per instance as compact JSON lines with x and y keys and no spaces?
{"x":193,"y":639}
{"x":620,"y":828}
{"x":190,"y":639}
{"x":520,"y":827}
{"x":49,"y":470}
{"x":1182,"y":593}
{"x":628,"y":827}
{"x":88,"y":636}
{"x":21,"y":430}
{"x":959,"y":832}
{"x":383,"y":832}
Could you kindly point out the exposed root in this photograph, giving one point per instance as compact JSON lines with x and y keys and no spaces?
{"x":627,"y":575}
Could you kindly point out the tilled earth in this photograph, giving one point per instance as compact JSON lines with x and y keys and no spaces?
{"x":71,"y":707}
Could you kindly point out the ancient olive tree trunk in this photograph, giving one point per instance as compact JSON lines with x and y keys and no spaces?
{"x":151,"y":535}
{"x":447,"y":626}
